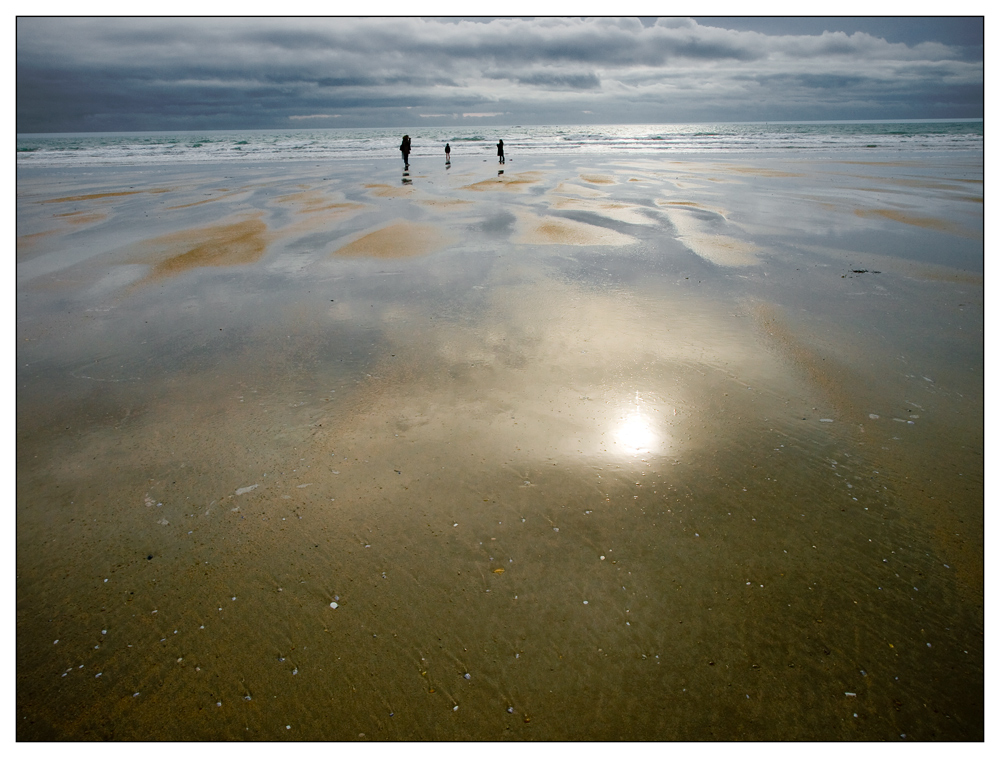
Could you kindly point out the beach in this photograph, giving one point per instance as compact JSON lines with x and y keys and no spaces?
{"x":579,"y":447}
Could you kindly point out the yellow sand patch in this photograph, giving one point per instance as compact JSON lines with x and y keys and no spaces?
{"x":925,"y":222}
{"x":198,"y":202}
{"x":753,"y":171}
{"x":236,"y":244}
{"x":722,"y":250}
{"x":316,"y":210}
{"x":316,"y":202}
{"x":566,"y":188}
{"x":548,"y":230}
{"x":626,"y":212}
{"x":943,"y":274}
{"x":719,"y":249}
{"x":79,"y":217}
{"x":334,"y":208}
{"x":506,"y":182}
{"x":691,"y":204}
{"x":920,"y":183}
{"x":445,"y":204}
{"x":102,"y":196}
{"x":388,"y":190}
{"x":598,"y":179}
{"x":25,"y":241}
{"x":402,"y":239}
{"x":897,"y":164}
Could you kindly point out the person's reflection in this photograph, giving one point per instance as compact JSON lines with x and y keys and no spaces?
{"x":500,"y":172}
{"x":406,"y":177}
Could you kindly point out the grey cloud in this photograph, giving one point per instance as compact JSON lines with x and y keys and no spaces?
{"x":410,"y":80}
{"x":74,"y":73}
{"x":550,"y":79}
{"x":814,"y":81}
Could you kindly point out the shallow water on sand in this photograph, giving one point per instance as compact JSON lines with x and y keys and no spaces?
{"x":612,"y":450}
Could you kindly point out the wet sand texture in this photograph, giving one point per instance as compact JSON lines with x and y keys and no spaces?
{"x":696,"y":458}
{"x":236,"y":244}
{"x":597,"y":179}
{"x":922,"y":221}
{"x":628,"y":213}
{"x":506,"y":183}
{"x":571,"y":188}
{"x":388,"y":190}
{"x":550,"y":230}
{"x":401,"y":239}
{"x":697,"y":231}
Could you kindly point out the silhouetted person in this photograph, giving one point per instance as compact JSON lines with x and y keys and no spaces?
{"x":500,"y":150}
{"x":404,"y":148}
{"x":447,"y":153}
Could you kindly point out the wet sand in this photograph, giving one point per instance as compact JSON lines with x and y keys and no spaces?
{"x":595,"y":449}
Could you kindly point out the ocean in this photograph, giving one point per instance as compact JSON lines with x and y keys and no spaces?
{"x":152,"y":148}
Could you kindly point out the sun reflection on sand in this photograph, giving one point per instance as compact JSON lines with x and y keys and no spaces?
{"x":637,"y":432}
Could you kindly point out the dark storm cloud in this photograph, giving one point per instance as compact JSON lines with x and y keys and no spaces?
{"x":107,"y":74}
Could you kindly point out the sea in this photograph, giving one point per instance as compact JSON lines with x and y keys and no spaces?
{"x":151,"y":148}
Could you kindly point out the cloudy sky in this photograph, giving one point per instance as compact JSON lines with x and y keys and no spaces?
{"x":130,"y":74}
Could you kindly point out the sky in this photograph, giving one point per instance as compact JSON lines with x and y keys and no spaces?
{"x":160,"y":74}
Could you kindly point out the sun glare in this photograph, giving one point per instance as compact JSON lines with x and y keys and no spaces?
{"x":637,"y":433}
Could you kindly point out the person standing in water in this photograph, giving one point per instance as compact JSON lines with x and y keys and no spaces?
{"x":500,"y":150}
{"x":404,"y":148}
{"x":447,"y":153}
